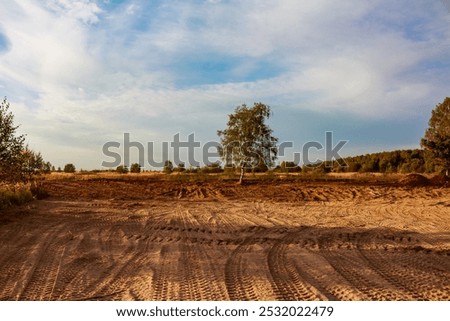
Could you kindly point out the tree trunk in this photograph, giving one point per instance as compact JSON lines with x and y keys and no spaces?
{"x":241,"y":178}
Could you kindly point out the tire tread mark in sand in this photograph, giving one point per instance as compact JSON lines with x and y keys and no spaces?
{"x":40,"y":285}
{"x":161,"y":279}
{"x":305,"y":272}
{"x":10,"y":271}
{"x":13,"y":269}
{"x":45,"y":270}
{"x":239,"y":285}
{"x":350,"y":267}
{"x":287,"y":283}
{"x":195,"y":282}
{"x":119,"y":279}
{"x":325,"y":281}
{"x":73,"y":277}
{"x":166,"y":280}
{"x":381,"y":264}
{"x":430,"y":271}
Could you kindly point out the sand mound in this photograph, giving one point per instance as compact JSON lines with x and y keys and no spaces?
{"x":440,"y":179}
{"x":415,"y":180}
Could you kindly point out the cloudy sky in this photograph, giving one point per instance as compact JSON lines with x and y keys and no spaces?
{"x":81,"y":73}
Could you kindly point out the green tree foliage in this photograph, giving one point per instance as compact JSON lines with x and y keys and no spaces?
{"x":289,"y":167}
{"x":168,"y":167}
{"x":437,"y":136}
{"x":399,"y":161}
{"x":212,"y":168}
{"x":11,"y":146}
{"x":32,"y":163}
{"x":181,"y":167}
{"x":122,"y":169}
{"x":247,"y":142}
{"x":47,"y":168}
{"x":17,"y":161}
{"x":69,"y":168}
{"x":135,"y":168}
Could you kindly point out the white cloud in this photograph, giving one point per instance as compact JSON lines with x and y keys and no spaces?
{"x":83,"y":10}
{"x":85,"y":84}
{"x":132,"y":9}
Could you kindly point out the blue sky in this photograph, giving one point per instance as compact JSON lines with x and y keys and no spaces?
{"x":81,"y":73}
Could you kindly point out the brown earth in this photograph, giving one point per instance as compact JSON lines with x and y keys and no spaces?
{"x":167,"y":240}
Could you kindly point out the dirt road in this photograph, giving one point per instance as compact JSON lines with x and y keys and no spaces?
{"x":108,"y":240}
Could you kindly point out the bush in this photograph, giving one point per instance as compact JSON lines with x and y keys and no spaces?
{"x":122,"y":169}
{"x":11,"y":146}
{"x":15,"y":195}
{"x":135,"y":168}
{"x":180,"y":168}
{"x":168,"y":167}
{"x":211,"y":169}
{"x":192,"y":170}
{"x":69,"y":168}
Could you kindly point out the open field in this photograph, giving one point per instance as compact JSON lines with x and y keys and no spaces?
{"x":155,"y":239}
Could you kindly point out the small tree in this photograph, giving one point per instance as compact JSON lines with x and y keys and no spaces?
{"x":247,"y":142}
{"x":32,"y":163}
{"x":135,"y":168}
{"x":437,"y":136}
{"x":181,"y":167}
{"x":122,"y":169}
{"x":11,"y":145}
{"x":168,"y":167}
{"x":69,"y":168}
{"x":47,"y":168}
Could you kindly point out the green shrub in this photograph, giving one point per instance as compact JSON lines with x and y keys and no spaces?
{"x":122,"y":169}
{"x":135,"y":168}
{"x":69,"y":168}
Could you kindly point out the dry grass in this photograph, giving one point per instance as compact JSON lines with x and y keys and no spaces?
{"x":377,"y":178}
{"x":15,"y":194}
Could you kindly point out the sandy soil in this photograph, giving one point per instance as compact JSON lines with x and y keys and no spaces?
{"x":153,"y":240}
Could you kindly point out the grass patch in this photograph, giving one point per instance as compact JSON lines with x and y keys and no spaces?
{"x":18,"y":194}
{"x":15,"y":195}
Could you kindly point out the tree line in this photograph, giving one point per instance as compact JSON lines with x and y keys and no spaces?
{"x":250,"y":147}
{"x":398,"y":161}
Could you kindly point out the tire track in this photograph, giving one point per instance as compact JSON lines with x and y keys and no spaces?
{"x":317,"y":272}
{"x":353,"y":269}
{"x":165,"y":276}
{"x":287,"y":283}
{"x":397,"y":269}
{"x":198,"y":281}
{"x":40,"y":283}
{"x":239,"y":284}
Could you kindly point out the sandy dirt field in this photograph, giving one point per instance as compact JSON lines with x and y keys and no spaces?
{"x":158,"y":240}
